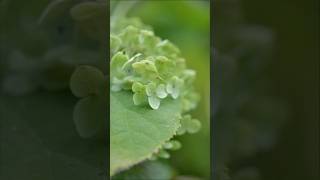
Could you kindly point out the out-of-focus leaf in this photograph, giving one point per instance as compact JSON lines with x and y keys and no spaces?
{"x":86,"y":80}
{"x":89,"y":115}
{"x":149,"y":170}
{"x":54,"y":9}
{"x":39,"y":140}
{"x":87,"y":10}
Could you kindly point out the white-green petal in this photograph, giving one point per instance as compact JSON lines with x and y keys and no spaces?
{"x":145,"y":68}
{"x":173,"y":90}
{"x":144,"y":34}
{"x":175,"y":145}
{"x":175,"y":93}
{"x":154,"y":102}
{"x":169,"y":88}
{"x":115,"y":43}
{"x":181,"y":131}
{"x":151,"y":89}
{"x":116,"y":84}
{"x":131,"y":61}
{"x":194,"y":126}
{"x":161,"y":91}
{"x":117,"y":61}
{"x":168,"y":145}
{"x":164,"y":154}
{"x":167,"y":47}
{"x":137,"y":87}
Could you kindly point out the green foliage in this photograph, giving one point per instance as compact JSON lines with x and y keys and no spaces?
{"x":138,"y":131}
{"x":151,"y":90}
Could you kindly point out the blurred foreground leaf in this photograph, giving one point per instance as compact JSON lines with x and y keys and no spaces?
{"x":39,"y":140}
{"x":150,"y":170}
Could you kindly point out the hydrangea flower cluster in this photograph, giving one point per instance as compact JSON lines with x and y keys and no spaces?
{"x":150,"y":67}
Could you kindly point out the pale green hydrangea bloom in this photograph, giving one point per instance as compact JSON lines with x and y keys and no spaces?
{"x":152,"y":68}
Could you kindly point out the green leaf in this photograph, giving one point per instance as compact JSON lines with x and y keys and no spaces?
{"x":138,"y":131}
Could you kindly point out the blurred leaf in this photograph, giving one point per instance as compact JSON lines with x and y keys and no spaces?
{"x":87,"y":10}
{"x":89,"y":116}
{"x":87,"y":80}
{"x":149,"y":170}
{"x":54,"y":9}
{"x":39,"y":140}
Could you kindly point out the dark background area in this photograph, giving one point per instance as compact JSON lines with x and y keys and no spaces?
{"x":296,"y":78}
{"x":295,"y":73}
{"x":41,"y":44}
{"x":292,"y":73}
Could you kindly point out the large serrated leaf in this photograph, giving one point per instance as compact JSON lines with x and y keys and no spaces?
{"x":138,"y":131}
